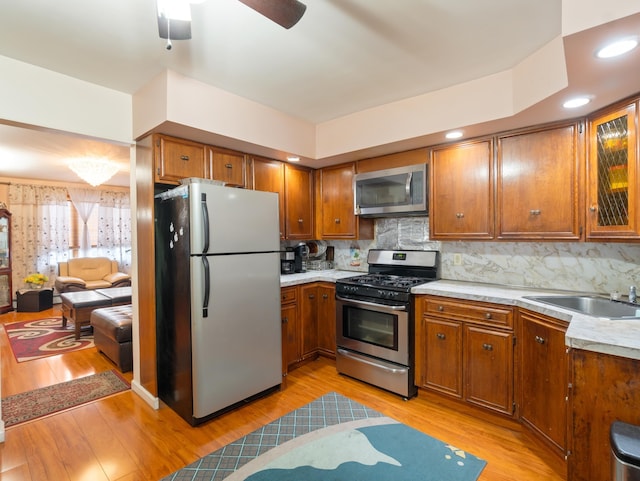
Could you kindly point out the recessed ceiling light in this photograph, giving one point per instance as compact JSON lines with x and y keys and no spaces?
{"x":617,"y":48}
{"x":293,"y":158}
{"x":576,"y":102}
{"x":456,"y":134}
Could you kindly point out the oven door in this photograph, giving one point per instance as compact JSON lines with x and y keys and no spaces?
{"x":374,"y":329}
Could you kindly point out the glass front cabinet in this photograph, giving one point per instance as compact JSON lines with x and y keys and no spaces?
{"x":613,"y":194}
{"x":6,"y":303}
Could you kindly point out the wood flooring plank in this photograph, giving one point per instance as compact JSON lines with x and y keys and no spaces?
{"x":110,"y":453}
{"x":74,"y":449}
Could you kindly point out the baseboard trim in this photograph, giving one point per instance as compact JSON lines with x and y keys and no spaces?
{"x":149,"y":398}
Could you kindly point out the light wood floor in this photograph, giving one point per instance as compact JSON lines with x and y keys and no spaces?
{"x":122,"y":438}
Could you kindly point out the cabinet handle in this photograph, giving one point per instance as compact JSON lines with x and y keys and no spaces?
{"x":487,"y":347}
{"x":540,"y":340}
{"x":311,"y":296}
{"x":337,"y":221}
{"x":487,"y":315}
{"x":441,"y":336}
{"x":184,"y":157}
{"x":441,"y":308}
{"x":300,"y":221}
{"x":325,"y":296}
{"x":593,"y":208}
{"x":459,"y":215}
{"x":228,"y":166}
{"x":534,"y":212}
{"x":285,"y":320}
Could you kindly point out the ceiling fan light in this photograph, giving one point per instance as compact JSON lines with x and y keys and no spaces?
{"x":174,"y":20}
{"x":175,"y":9}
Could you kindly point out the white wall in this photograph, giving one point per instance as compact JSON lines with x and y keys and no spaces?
{"x":35,"y":96}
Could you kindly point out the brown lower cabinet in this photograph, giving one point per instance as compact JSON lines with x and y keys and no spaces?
{"x":465,"y":350}
{"x":605,"y":388}
{"x":308,"y":323}
{"x":543,"y":378}
{"x":290,"y":327}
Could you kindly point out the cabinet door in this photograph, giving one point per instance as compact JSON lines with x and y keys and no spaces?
{"x":544,"y":367}
{"x":537,"y":185}
{"x":290,"y":336}
{"x":488,"y":368}
{"x":228,"y":166}
{"x":613,"y":190}
{"x":442,"y":356}
{"x":268,"y":176}
{"x":6,"y":291}
{"x":178,"y":159}
{"x":327,"y":319}
{"x":298,"y":202}
{"x":461,"y":197}
{"x":335,"y":205}
{"x":309,"y":319}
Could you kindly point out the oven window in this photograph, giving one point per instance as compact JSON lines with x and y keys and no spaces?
{"x":377,"y":328}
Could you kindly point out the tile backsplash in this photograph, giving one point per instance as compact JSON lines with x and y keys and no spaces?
{"x":575,"y":266}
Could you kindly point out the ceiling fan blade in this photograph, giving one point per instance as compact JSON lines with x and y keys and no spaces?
{"x":285,"y":13}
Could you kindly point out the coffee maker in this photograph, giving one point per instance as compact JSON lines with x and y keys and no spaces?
{"x":287,"y":261}
{"x":301,"y":255}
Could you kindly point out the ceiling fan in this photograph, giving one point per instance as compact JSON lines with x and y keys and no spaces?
{"x":174,"y":16}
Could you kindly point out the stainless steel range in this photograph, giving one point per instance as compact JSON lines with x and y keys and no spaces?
{"x":374,"y":318}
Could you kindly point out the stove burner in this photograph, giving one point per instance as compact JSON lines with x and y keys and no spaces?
{"x":385,"y":280}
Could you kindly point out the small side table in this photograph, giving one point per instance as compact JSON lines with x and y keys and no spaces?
{"x":34,"y":300}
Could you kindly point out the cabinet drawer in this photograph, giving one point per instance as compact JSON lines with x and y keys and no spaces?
{"x":288,"y":295}
{"x":484,"y":313}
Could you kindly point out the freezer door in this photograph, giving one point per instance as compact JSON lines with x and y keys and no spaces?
{"x":236,"y":348}
{"x":226,"y":220}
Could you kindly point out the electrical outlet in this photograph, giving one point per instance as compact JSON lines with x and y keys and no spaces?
{"x":457,"y":259}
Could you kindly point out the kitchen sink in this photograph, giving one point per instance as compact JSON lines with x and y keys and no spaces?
{"x":592,"y":306}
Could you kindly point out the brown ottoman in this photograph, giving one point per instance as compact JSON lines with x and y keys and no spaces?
{"x":112,"y":334}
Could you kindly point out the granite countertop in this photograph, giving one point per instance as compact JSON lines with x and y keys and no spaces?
{"x":330,"y":275}
{"x":615,"y":337}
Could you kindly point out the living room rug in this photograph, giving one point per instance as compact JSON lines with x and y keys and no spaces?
{"x":334,"y":438}
{"x":31,"y":340}
{"x":30,"y":405}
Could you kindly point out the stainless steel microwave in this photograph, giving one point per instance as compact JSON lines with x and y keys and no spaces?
{"x":391,"y":192}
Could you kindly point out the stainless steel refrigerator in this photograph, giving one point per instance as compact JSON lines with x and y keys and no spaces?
{"x":218,"y":322}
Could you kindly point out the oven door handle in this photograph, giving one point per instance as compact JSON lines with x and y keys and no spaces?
{"x":372,"y":304}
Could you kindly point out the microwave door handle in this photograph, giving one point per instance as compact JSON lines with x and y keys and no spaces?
{"x":408,"y":185}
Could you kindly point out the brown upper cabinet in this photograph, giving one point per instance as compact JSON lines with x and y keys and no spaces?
{"x":461,"y":192}
{"x":613,"y":193}
{"x":537,"y":184}
{"x":228,"y":166}
{"x":177,"y":159}
{"x":334,"y":205}
{"x":298,"y":202}
{"x":267,"y":175}
{"x":391,"y":161}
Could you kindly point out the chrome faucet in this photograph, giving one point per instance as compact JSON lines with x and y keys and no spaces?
{"x":632,"y":294}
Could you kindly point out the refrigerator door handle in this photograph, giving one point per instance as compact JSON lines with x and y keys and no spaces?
{"x":207,"y":287}
{"x":205,"y":222}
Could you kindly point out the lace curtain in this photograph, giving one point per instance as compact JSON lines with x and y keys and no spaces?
{"x":84,"y":200}
{"x":40,"y":230}
{"x":114,"y":228}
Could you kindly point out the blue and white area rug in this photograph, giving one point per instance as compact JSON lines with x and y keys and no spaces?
{"x":334,"y":438}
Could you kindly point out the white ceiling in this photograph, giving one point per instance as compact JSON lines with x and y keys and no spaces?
{"x":343,"y":56}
